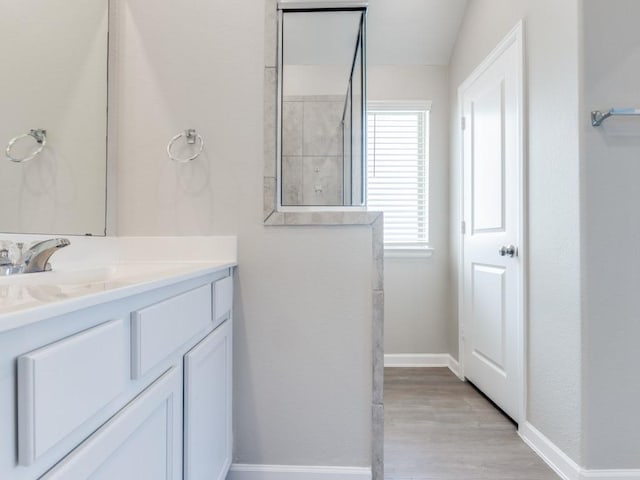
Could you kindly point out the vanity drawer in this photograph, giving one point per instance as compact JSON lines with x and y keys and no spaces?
{"x":64,"y":384}
{"x":224,"y":298}
{"x":160,"y":329}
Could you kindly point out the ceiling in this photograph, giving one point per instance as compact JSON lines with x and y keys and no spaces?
{"x":399,"y":32}
{"x":413,"y":32}
{"x":320,"y":38}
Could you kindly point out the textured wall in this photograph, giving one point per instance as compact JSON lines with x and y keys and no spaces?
{"x":612,"y":228}
{"x":554,"y":314}
{"x":303,"y":298}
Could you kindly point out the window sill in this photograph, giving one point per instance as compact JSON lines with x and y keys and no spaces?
{"x":391,"y":252}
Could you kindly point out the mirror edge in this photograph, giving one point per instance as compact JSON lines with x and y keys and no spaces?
{"x":111,"y":205}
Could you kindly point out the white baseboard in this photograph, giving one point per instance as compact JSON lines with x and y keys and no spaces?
{"x":416,"y":360}
{"x":292,"y":472}
{"x":549,"y":452}
{"x":422,"y":360}
{"x":454,"y":366}
{"x":611,"y":474}
{"x":562,"y":464}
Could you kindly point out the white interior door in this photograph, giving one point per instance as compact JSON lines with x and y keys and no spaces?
{"x":491,"y":293}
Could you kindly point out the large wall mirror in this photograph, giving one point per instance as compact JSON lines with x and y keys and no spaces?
{"x":53,"y":116}
{"x":321,"y":107}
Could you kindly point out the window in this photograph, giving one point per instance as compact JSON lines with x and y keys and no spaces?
{"x":398,"y":170}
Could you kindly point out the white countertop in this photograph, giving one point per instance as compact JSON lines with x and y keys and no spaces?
{"x":29,"y":298}
{"x":94,"y":270}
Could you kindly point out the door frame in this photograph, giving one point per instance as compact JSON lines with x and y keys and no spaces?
{"x":515,"y":36}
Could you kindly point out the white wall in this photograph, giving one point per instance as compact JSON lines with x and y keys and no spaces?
{"x":554,"y":329}
{"x":417,"y":298}
{"x":303,"y":305}
{"x":612,"y":229}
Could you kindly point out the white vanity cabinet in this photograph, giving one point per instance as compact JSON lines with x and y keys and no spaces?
{"x":47,"y":413}
{"x":137,"y":388}
{"x":141,"y":442}
{"x":207,"y":406}
{"x":160,"y":329}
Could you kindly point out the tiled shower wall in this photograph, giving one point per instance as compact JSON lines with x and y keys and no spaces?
{"x":312,"y":150}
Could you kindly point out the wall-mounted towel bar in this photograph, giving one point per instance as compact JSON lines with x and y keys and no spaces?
{"x":597,"y":117}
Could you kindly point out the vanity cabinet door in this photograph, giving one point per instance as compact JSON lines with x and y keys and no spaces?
{"x":207,"y":406}
{"x":141,"y":442}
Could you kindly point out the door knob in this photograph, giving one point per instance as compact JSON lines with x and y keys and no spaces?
{"x":508,"y":251}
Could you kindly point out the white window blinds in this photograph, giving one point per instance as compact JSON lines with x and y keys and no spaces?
{"x":398,"y":147}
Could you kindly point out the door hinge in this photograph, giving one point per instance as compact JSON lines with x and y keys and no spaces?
{"x":463,"y":123}
{"x":463,"y":227}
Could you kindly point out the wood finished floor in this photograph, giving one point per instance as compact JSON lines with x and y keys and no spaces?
{"x":439,"y":428}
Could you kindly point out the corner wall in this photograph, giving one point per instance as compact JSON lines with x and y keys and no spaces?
{"x":554,"y":313}
{"x":612,"y":231}
{"x":303,"y":294}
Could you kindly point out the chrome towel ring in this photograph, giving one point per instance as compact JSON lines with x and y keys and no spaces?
{"x":40,"y":136}
{"x":192,"y":138}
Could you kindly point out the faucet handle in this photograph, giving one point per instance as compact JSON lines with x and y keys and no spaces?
{"x":9,"y":254}
{"x":4,"y":257}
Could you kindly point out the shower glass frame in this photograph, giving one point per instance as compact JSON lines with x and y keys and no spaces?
{"x":359,"y":61}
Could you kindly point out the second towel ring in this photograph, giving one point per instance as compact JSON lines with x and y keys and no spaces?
{"x":40,"y":136}
{"x":192,"y":137}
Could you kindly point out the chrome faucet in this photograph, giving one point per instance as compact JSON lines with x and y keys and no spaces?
{"x":36,"y":259}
